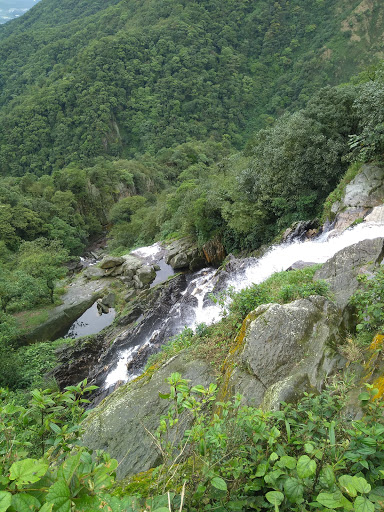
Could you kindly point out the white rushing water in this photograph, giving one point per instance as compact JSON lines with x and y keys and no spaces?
{"x":281,"y":257}
{"x":278,"y":258}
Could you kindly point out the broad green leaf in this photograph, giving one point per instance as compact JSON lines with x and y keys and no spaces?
{"x":377,"y":496}
{"x":236,"y":505}
{"x":5,"y":500}
{"x":361,"y":485}
{"x":287,"y":462}
{"x":69,"y":467}
{"x":271,"y":477}
{"x":327,"y":477}
{"x":293,"y":489}
{"x":275,"y":497}
{"x":25,"y":503}
{"x":55,"y":427}
{"x":102,"y":479}
{"x":362,"y":504}
{"x":27,"y":471}
{"x":347,"y":483}
{"x":219,"y":483}
{"x":261,"y":469}
{"x":47,"y":507}
{"x":198,"y":389}
{"x":364,"y":396}
{"x":305,"y":467}
{"x":308,"y":447}
{"x":273,"y":456}
{"x":88,"y":503}
{"x":59,"y":494}
{"x":334,"y":500}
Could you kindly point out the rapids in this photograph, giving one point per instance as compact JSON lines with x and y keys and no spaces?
{"x":195,"y":306}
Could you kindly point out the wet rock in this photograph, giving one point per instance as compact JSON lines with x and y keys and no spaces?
{"x":364,"y":192}
{"x":129,"y":295}
{"x":110,"y":262}
{"x":132,"y":316}
{"x":102,"y":308}
{"x":122,"y":423}
{"x":348,"y":217}
{"x":109,"y":300}
{"x":76,"y":360}
{"x":131,"y":265}
{"x":146,"y":274}
{"x":281,"y":346}
{"x":73,"y":266}
{"x":301,"y":230}
{"x":376,"y":215}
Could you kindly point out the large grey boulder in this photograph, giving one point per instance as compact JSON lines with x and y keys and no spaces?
{"x":145,"y":275}
{"x":366,"y":190}
{"x":131,"y":265}
{"x":341,"y":271}
{"x":284,"y":350}
{"x":184,"y":253}
{"x":110,"y":262}
{"x":122,"y":423}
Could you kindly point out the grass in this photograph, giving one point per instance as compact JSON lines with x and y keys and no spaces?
{"x":26,"y":320}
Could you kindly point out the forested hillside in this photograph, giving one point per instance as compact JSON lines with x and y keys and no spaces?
{"x":84,"y":79}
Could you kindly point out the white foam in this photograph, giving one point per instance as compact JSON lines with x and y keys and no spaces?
{"x":151,"y":251}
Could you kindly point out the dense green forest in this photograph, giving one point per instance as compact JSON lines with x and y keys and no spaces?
{"x":84,"y":79}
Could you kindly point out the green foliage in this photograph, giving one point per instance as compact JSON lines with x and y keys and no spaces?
{"x":125,"y":77}
{"x":281,"y":287}
{"x":66,"y":476}
{"x":294,"y":459}
{"x":174,"y":345}
{"x":369,"y":302}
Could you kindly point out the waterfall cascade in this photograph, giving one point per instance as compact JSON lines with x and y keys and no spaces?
{"x":195,"y":306}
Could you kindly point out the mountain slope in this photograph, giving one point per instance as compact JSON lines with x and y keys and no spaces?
{"x":80,"y":80}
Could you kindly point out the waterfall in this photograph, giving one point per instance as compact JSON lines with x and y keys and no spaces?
{"x":195,"y":306}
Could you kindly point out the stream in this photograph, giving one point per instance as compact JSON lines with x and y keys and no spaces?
{"x":194,"y":305}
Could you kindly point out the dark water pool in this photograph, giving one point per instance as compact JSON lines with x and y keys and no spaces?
{"x":162,"y":274}
{"x":90,"y":322}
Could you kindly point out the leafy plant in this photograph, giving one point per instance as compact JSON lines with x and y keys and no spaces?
{"x":300,"y":458}
{"x":369,"y":302}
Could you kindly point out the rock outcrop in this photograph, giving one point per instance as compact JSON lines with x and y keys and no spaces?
{"x":364,"y":192}
{"x":122,"y":425}
{"x":283,"y":350}
{"x":184,"y":254}
{"x":132,"y":271}
{"x":214,"y":252}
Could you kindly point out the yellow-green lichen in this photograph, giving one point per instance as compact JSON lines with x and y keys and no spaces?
{"x":229,"y":364}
